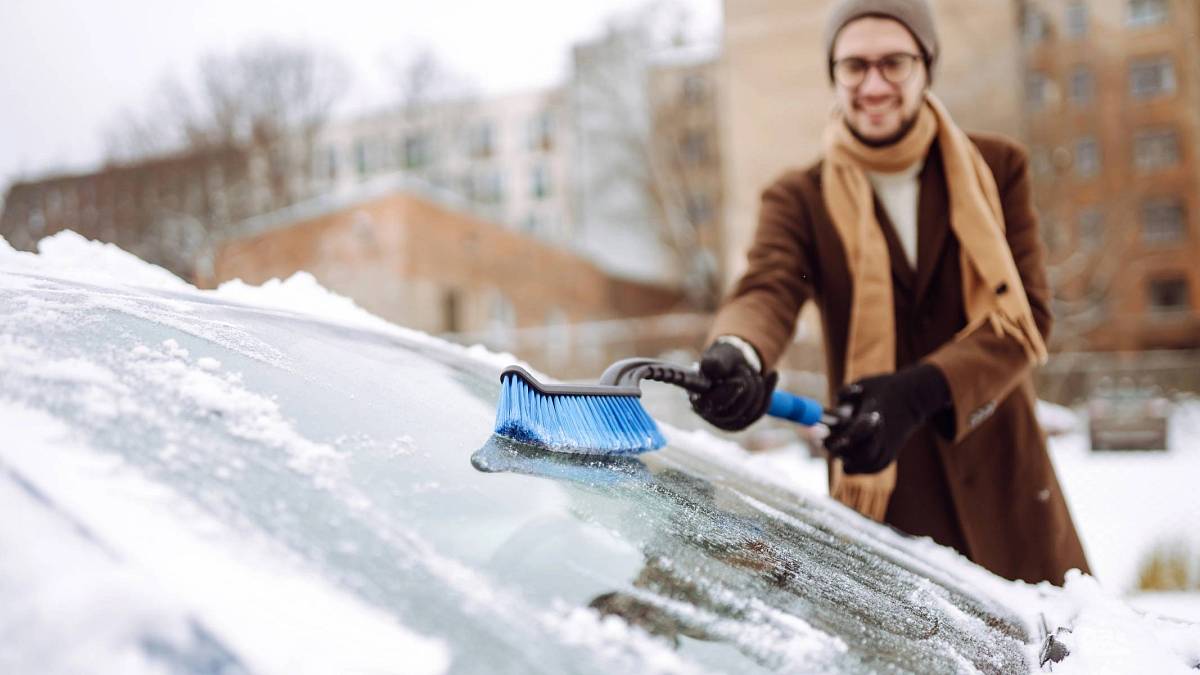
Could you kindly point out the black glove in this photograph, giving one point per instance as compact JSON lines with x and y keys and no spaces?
{"x":885,"y":411}
{"x":739,"y":394}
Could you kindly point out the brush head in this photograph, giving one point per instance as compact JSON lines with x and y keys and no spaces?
{"x":587,"y":420}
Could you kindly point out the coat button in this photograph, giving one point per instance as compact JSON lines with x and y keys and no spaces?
{"x":1002,"y":288}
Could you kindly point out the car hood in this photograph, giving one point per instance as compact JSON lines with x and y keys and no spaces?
{"x":209,"y":486}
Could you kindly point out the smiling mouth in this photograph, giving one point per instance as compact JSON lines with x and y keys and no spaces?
{"x":878,"y":108}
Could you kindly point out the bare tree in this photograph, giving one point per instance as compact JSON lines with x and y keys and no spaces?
{"x":436,"y":106}
{"x":647,"y":147}
{"x":236,"y":139}
{"x":268,"y":98}
{"x":160,"y":128}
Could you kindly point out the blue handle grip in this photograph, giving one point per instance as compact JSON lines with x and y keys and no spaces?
{"x":795,"y":408}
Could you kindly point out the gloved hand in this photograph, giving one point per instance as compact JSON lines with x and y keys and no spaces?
{"x":739,"y":395}
{"x":885,"y":411}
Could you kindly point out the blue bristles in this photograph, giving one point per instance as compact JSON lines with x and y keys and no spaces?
{"x":582,"y":424}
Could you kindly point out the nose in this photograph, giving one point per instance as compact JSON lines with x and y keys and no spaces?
{"x":874,"y":84}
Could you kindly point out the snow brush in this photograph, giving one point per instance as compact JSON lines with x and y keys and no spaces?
{"x":608,"y":418}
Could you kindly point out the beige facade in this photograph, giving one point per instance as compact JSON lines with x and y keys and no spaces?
{"x":776,"y":99}
{"x":1115,"y":171}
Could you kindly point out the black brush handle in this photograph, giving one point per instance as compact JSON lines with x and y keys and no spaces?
{"x":784,"y":405}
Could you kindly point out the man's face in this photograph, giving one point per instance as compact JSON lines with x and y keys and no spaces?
{"x":877,"y":110}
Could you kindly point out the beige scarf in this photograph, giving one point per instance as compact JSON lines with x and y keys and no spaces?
{"x":992,"y":288}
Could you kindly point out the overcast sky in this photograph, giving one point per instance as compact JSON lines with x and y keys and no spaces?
{"x":68,"y":67}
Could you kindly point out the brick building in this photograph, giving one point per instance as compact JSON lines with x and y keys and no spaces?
{"x":166,"y":210}
{"x":414,"y":256}
{"x":1112,"y":117}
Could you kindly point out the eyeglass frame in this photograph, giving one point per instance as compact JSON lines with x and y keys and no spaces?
{"x":876,"y":64}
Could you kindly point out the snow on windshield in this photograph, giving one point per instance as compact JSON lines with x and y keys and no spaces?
{"x":223,"y":475}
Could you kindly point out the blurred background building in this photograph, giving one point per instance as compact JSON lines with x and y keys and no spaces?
{"x":604,"y":216}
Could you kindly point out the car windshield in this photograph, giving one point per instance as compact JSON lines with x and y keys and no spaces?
{"x":184,"y":443}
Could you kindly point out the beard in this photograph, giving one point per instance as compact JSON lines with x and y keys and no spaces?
{"x":906,"y":125}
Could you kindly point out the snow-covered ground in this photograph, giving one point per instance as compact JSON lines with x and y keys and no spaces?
{"x":1123,"y":505}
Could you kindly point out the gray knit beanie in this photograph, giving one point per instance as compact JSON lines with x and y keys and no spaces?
{"x":915,"y":15}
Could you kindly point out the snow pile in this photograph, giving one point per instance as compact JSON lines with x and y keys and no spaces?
{"x":67,"y":255}
{"x":301,"y":293}
{"x":1126,"y":504}
{"x":1056,"y":419}
{"x":200,"y":592}
{"x":1106,"y":636}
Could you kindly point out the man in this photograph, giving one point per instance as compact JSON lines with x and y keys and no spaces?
{"x":920,"y":246}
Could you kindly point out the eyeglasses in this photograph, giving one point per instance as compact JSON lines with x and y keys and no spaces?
{"x":895,"y":68}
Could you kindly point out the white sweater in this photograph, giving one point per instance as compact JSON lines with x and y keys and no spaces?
{"x":898,"y":193}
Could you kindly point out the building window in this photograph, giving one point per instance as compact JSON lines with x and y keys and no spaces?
{"x":1164,"y":221}
{"x":558,"y":337}
{"x":451,"y":300}
{"x":481,"y":141}
{"x":1155,"y":149}
{"x":327,"y":163}
{"x":1077,"y":19}
{"x":1033,"y":26}
{"x":539,"y":182}
{"x":1087,"y":157}
{"x":488,"y":187}
{"x":540,"y":133}
{"x":416,"y":151}
{"x":1052,"y":234}
{"x":1083,"y":85}
{"x":1040,"y":161}
{"x":1147,"y":12}
{"x":532,"y":223}
{"x":699,"y":209}
{"x":1168,"y":295}
{"x":1149,"y":78}
{"x":1091,"y":228}
{"x":694,"y":147}
{"x":502,"y":320}
{"x":695,"y":90}
{"x":1037,"y":90}
{"x":360,"y":157}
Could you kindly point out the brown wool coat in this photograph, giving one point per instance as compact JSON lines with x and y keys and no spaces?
{"x":978,"y":477}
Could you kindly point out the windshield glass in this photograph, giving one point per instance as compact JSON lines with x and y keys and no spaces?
{"x":364,"y":458}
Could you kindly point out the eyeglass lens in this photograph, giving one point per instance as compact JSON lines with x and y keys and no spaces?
{"x":895,"y":68}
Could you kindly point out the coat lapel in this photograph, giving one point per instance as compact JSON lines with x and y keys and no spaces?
{"x":933,"y":220}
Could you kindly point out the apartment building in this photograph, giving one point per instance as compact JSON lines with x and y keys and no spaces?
{"x":167,"y":210}
{"x":508,"y":156}
{"x":1112,"y":115}
{"x":403,"y":253}
{"x":620,"y":163}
